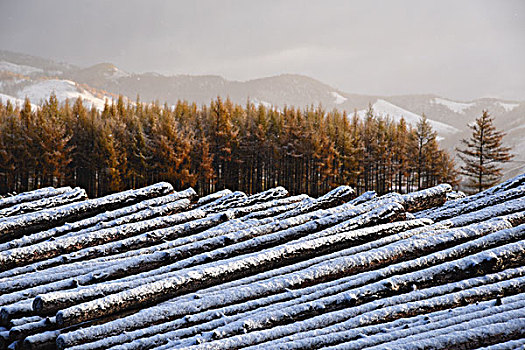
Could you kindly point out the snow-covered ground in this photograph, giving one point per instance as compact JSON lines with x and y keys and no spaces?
{"x":18,"y":68}
{"x":508,"y":106}
{"x":63,"y":89}
{"x":457,"y":107}
{"x":385,"y":109}
{"x":116,"y":73}
{"x":14,"y":100}
{"x":338,"y":98}
{"x":258,"y":103}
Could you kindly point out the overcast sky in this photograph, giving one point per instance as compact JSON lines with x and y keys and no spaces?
{"x":457,"y":49}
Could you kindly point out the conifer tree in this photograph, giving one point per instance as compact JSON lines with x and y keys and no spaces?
{"x":483,"y":153}
{"x":218,"y":145}
{"x":425,"y":144}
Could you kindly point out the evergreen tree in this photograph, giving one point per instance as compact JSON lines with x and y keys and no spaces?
{"x":220,"y":145}
{"x":424,"y":140}
{"x":483,"y":153}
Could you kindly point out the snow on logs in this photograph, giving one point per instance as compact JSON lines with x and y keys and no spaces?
{"x":71,"y":196}
{"x":153,"y":268}
{"x":32,"y":196}
{"x":23,"y":224}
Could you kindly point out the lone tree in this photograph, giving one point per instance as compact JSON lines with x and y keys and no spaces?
{"x":483,"y":153}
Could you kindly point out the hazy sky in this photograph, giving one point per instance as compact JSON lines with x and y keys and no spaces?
{"x":458,"y":49}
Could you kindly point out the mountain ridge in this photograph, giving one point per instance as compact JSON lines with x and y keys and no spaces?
{"x":22,"y":75}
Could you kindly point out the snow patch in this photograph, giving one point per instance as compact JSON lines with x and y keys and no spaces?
{"x":63,"y":89}
{"x":19,"y":68}
{"x":457,"y":107}
{"x":338,"y":98}
{"x":508,"y":106}
{"x":265,"y":104}
{"x":115,"y":73}
{"x":384,"y":108}
{"x":15,"y":101}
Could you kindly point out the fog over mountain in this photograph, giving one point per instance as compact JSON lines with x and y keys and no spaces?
{"x":457,"y":49}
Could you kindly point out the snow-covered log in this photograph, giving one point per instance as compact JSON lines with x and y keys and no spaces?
{"x":247,"y":293}
{"x":119,"y":269}
{"x":270,"y":212}
{"x":22,"y":331}
{"x":213,"y":197}
{"x":159,"y":314}
{"x":483,"y":202}
{"x":267,"y":271}
{"x":395,"y":252}
{"x":427,"y":198}
{"x":45,"y":250}
{"x":402,"y":338}
{"x":254,"y":208}
{"x":16,"y":288}
{"x":20,"y":321}
{"x":367,"y":336}
{"x":364,"y":337}
{"x":507,"y":326}
{"x":265,"y":196}
{"x":75,"y":195}
{"x":19,"y":309}
{"x":224,"y":202}
{"x":55,"y":301}
{"x":32,"y":196}
{"x":239,"y":199}
{"x":513,"y":206}
{"x":191,"y":280}
{"x":365,"y":197}
{"x":202,"y":300}
{"x":121,"y":246}
{"x":20,"y":225}
{"x":478,"y":264}
{"x":331,"y":199}
{"x":135,"y":212}
{"x":383,"y":310}
{"x":41,"y":341}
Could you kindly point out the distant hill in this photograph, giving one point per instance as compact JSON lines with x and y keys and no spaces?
{"x":24,"y":75}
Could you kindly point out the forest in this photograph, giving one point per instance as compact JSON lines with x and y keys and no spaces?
{"x":221,"y":145}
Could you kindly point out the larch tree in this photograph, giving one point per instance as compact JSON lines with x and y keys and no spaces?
{"x":483,"y":154}
{"x":424,"y":140}
{"x":219,"y":145}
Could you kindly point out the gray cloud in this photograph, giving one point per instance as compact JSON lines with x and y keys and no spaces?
{"x":459,"y":49}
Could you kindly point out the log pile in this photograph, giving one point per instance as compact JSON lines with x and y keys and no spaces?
{"x":156,"y":269}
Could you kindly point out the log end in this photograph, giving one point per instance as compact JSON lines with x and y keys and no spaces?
{"x":5,"y":318}
{"x":61,"y":322}
{"x":61,"y":342}
{"x":38,"y":304}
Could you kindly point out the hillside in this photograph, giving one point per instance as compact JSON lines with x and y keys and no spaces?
{"x":22,"y":75}
{"x":156,"y":269}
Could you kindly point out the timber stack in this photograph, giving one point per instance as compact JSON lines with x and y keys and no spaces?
{"x":153,"y":268}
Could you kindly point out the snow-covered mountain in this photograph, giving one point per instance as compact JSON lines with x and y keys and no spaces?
{"x":386,"y":109}
{"x":34,"y":77}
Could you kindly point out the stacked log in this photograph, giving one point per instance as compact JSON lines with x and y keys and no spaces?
{"x":149,"y":268}
{"x":133,"y":213}
{"x":71,"y":196}
{"x":32,"y":196}
{"x":20,"y":225}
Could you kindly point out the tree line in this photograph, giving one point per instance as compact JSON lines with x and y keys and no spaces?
{"x":220,"y":145}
